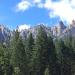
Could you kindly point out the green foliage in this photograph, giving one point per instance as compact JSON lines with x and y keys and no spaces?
{"x":29,"y":52}
{"x":5,"y":66}
{"x":40,"y":52}
{"x":40,"y":56}
{"x":18,"y":55}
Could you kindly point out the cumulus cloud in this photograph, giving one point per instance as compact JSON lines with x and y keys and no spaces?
{"x":23,"y":27}
{"x":37,"y":1}
{"x":65,"y":9}
{"x":23,"y":5}
{"x":26,"y":4}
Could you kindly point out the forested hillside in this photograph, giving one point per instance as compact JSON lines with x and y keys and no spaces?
{"x":42,"y":55}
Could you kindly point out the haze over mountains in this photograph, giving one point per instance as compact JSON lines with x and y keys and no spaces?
{"x":56,"y":31}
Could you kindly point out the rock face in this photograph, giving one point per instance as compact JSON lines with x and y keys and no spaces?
{"x":5,"y":34}
{"x":69,"y":30}
{"x":59,"y":31}
{"x":34,"y":31}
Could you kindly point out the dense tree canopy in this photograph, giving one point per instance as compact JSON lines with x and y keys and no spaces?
{"x":42,"y":55}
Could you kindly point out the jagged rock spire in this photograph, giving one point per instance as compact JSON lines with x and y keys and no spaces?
{"x":72,"y":24}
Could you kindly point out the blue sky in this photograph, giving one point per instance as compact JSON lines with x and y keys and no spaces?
{"x":33,"y":12}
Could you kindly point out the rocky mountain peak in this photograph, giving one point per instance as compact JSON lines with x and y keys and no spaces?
{"x":59,"y":30}
{"x":5,"y":33}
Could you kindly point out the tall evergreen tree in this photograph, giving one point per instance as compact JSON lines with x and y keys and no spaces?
{"x":64,"y":57}
{"x":29,"y":52}
{"x":70,"y":53}
{"x":54,"y":67}
{"x":40,"y":52}
{"x":5,"y":68}
{"x":1,"y":60}
{"x":19,"y":55}
{"x":8,"y":68}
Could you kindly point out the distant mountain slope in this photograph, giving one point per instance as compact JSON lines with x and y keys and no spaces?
{"x":34,"y":31}
{"x":5,"y":34}
{"x":59,"y":31}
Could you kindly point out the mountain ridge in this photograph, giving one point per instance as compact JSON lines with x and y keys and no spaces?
{"x":57,"y":31}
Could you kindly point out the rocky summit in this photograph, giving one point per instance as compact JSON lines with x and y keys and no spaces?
{"x":5,"y":34}
{"x":59,"y":30}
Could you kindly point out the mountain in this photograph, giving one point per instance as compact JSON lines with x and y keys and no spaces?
{"x":5,"y":34}
{"x":59,"y":31}
{"x":69,"y":31}
{"x":34,"y":31}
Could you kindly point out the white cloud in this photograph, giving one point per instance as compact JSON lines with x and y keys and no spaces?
{"x":23,"y":5}
{"x":23,"y":27}
{"x":48,"y":4}
{"x":36,"y":1}
{"x":26,"y":4}
{"x":64,"y":9}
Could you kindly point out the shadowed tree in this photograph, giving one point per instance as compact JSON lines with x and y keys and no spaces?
{"x":29,"y":53}
{"x":40,"y":52}
{"x":19,"y":55}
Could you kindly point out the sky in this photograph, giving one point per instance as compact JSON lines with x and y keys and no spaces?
{"x":28,"y":13}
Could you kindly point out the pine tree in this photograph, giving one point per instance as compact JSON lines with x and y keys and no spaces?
{"x":29,"y":52}
{"x":54,"y":67}
{"x":5,"y":68}
{"x":19,"y":55}
{"x":8,"y":68}
{"x":70,"y":53}
{"x":1,"y":60}
{"x":40,"y":52}
{"x":64,"y":57}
